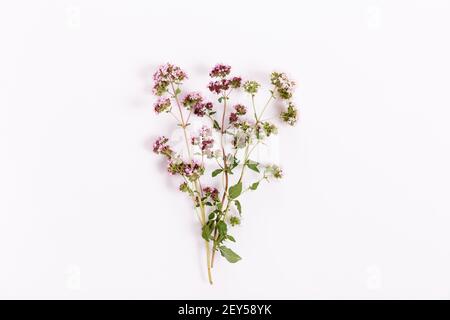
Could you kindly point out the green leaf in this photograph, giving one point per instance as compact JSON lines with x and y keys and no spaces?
{"x":206,"y":232}
{"x":177,"y":91}
{"x":216,"y":125}
{"x":222,"y":227}
{"x":253,"y":165}
{"x":220,"y":99}
{"x":216,"y":172}
{"x":238,"y":206}
{"x":231,"y":238}
{"x":235,"y":191}
{"x":254,"y":186}
{"x":229,"y":254}
{"x":211,"y":216}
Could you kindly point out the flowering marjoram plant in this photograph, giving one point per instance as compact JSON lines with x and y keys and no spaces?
{"x":220,"y":150}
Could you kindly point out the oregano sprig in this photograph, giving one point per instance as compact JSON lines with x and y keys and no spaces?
{"x":214,"y":163}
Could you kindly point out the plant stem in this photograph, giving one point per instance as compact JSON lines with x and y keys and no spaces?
{"x":224,"y":155}
{"x":225,"y":212}
{"x":183,"y":124}
{"x":225,"y":172}
{"x":197,"y":182}
{"x":254,"y":107}
{"x":208,"y":262}
{"x":267,"y":103}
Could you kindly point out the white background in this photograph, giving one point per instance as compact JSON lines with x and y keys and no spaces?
{"x":87,"y":212}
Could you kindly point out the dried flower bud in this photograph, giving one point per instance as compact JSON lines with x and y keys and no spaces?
{"x":234,"y":221}
{"x":243,"y":125}
{"x":233,"y":117}
{"x":283,"y":85}
{"x":251,"y":87}
{"x":235,"y":82}
{"x":175,"y":166}
{"x":185,"y":188}
{"x":269,"y":128}
{"x":274,"y":171}
{"x":240,"y":109}
{"x":290,"y":115}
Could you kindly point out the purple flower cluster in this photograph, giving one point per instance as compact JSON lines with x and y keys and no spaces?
{"x":211,"y":192}
{"x":233,"y":117}
{"x":235,"y":82}
{"x":240,"y":110}
{"x":162,"y":105}
{"x":194,"y":101}
{"x":175,"y":166}
{"x":191,"y":99}
{"x":161,"y":147}
{"x":165,"y":75}
{"x":220,"y":70}
{"x":209,"y":106}
{"x":191,"y":170}
{"x":219,"y":86}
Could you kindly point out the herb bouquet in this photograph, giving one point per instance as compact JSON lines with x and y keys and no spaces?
{"x":220,"y":152}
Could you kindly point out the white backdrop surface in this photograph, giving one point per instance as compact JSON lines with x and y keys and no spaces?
{"x":363,"y":212}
